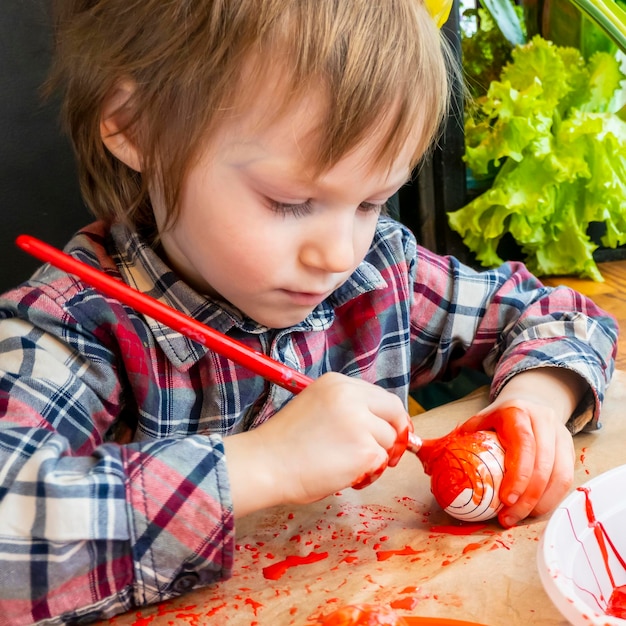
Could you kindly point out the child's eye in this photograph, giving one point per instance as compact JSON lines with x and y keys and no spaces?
{"x":304,"y":208}
{"x":285,"y":208}
{"x":372,"y":207}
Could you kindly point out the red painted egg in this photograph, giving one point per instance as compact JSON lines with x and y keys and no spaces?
{"x":466,"y":471}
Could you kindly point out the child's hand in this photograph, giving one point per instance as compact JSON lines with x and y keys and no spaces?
{"x":338,"y":432}
{"x":529,"y":417}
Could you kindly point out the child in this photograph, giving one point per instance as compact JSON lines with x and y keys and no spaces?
{"x":238,"y":156}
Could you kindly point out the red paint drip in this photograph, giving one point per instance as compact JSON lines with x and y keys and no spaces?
{"x":617,"y":602}
{"x":277,"y":570}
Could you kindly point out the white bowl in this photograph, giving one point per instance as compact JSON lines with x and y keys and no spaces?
{"x":573,"y":570}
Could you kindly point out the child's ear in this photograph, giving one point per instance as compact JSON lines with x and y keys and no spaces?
{"x":115,"y":128}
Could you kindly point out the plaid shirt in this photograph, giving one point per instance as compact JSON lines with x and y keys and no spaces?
{"x":114,"y":484}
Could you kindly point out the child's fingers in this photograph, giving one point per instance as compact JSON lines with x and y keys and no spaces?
{"x":369,"y":477}
{"x":539,"y":459}
{"x":356,"y":423}
{"x":523,"y":495}
{"x":562,"y":475}
{"x":390,"y":409}
{"x":523,"y":447}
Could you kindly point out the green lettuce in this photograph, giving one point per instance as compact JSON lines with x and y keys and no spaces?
{"x":549,"y":129}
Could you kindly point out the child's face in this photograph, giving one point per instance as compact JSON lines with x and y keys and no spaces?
{"x":257,"y":229}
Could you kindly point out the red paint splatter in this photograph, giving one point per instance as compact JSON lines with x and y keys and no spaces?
{"x":583,"y":457}
{"x":255,"y":605}
{"x":349,"y":559}
{"x":277,"y":570}
{"x":408,"y":604}
{"x":215,"y":609}
{"x":383,"y":555}
{"x":471,"y":546}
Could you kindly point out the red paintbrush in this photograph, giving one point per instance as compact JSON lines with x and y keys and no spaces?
{"x":232,"y":349}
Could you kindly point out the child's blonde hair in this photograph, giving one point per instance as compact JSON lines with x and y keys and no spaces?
{"x":189,"y":62}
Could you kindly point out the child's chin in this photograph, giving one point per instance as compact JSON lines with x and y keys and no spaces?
{"x":282,"y":319}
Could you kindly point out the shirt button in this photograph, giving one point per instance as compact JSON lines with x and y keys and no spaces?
{"x":185,"y":582}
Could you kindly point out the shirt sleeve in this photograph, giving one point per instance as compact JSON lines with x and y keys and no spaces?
{"x":504,"y":321}
{"x":90,"y":527}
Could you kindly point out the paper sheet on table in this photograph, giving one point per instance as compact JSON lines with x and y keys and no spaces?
{"x":391,"y":544}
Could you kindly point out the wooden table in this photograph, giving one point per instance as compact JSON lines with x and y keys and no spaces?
{"x":390,"y":544}
{"x":610,"y":295}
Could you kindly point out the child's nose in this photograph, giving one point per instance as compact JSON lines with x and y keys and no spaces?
{"x":330,"y":248}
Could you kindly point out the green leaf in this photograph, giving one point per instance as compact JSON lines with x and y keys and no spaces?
{"x":504,"y":14}
{"x":563,"y":154}
{"x":556,"y":68}
{"x":609,"y":16}
{"x":605,"y":77}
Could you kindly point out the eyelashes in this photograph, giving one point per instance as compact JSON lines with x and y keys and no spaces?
{"x":294,"y":210}
{"x":304,"y":208}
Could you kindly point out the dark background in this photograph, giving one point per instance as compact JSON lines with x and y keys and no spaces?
{"x":38,"y":187}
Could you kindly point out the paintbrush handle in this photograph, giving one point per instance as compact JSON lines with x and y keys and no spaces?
{"x":232,"y":349}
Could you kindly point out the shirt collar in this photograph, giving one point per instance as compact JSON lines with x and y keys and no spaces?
{"x":142,"y":268}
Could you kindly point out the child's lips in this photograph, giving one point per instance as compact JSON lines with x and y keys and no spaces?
{"x":305,"y":298}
